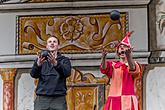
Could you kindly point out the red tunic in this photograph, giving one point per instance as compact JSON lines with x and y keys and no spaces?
{"x":122,"y":93}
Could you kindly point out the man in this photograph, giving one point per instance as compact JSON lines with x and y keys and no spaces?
{"x":52,"y":73}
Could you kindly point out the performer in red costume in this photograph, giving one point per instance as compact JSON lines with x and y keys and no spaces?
{"x":122,"y":73}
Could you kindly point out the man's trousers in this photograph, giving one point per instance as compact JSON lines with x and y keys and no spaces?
{"x":50,"y":103}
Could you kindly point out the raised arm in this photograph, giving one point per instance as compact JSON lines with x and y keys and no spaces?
{"x":130,"y":60}
{"x":36,"y":68}
{"x":106,"y":66}
{"x":35,"y":71}
{"x":103,"y":59}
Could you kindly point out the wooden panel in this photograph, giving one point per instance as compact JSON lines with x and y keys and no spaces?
{"x":85,"y":97}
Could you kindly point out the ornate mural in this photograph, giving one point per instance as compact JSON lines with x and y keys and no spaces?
{"x":77,"y":34}
{"x":85,"y":91}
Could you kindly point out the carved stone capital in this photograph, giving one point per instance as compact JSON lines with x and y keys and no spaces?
{"x":8,"y":74}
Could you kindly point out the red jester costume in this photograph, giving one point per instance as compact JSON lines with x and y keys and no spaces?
{"x":122,"y":91}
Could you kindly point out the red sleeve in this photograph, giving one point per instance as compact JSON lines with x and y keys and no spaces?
{"x":109,"y":69}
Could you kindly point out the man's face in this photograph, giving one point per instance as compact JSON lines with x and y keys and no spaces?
{"x":121,"y":50}
{"x":52,"y":44}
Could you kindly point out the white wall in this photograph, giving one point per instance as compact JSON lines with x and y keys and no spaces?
{"x":139,"y":23}
{"x":7,"y":33}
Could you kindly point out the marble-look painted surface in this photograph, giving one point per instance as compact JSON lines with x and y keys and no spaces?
{"x":155,"y":89}
{"x":160,"y":20}
{"x":1,"y":93}
{"x":25,"y":97}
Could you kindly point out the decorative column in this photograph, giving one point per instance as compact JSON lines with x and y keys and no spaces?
{"x":8,"y":75}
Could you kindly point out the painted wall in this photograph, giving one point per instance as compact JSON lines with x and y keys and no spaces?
{"x":137,"y":19}
{"x":138,"y":22}
{"x":155,"y":78}
{"x":160,"y":19}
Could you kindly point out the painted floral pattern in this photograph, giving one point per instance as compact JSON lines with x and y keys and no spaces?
{"x":71,"y":29}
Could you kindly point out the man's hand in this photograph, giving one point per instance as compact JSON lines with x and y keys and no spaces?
{"x":52,"y":58}
{"x":40,"y":59}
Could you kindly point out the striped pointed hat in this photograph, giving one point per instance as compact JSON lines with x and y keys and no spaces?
{"x":125,"y":40}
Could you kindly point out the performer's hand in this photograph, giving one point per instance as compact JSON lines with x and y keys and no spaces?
{"x":40,"y":59}
{"x":104,"y":53}
{"x":130,"y":60}
{"x":52,"y":58}
{"x":103,"y":63}
{"x":128,"y":52}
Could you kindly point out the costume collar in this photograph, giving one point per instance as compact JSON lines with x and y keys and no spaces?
{"x":118,"y":64}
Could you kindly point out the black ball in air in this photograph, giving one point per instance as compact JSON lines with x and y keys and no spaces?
{"x":115,"y":15}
